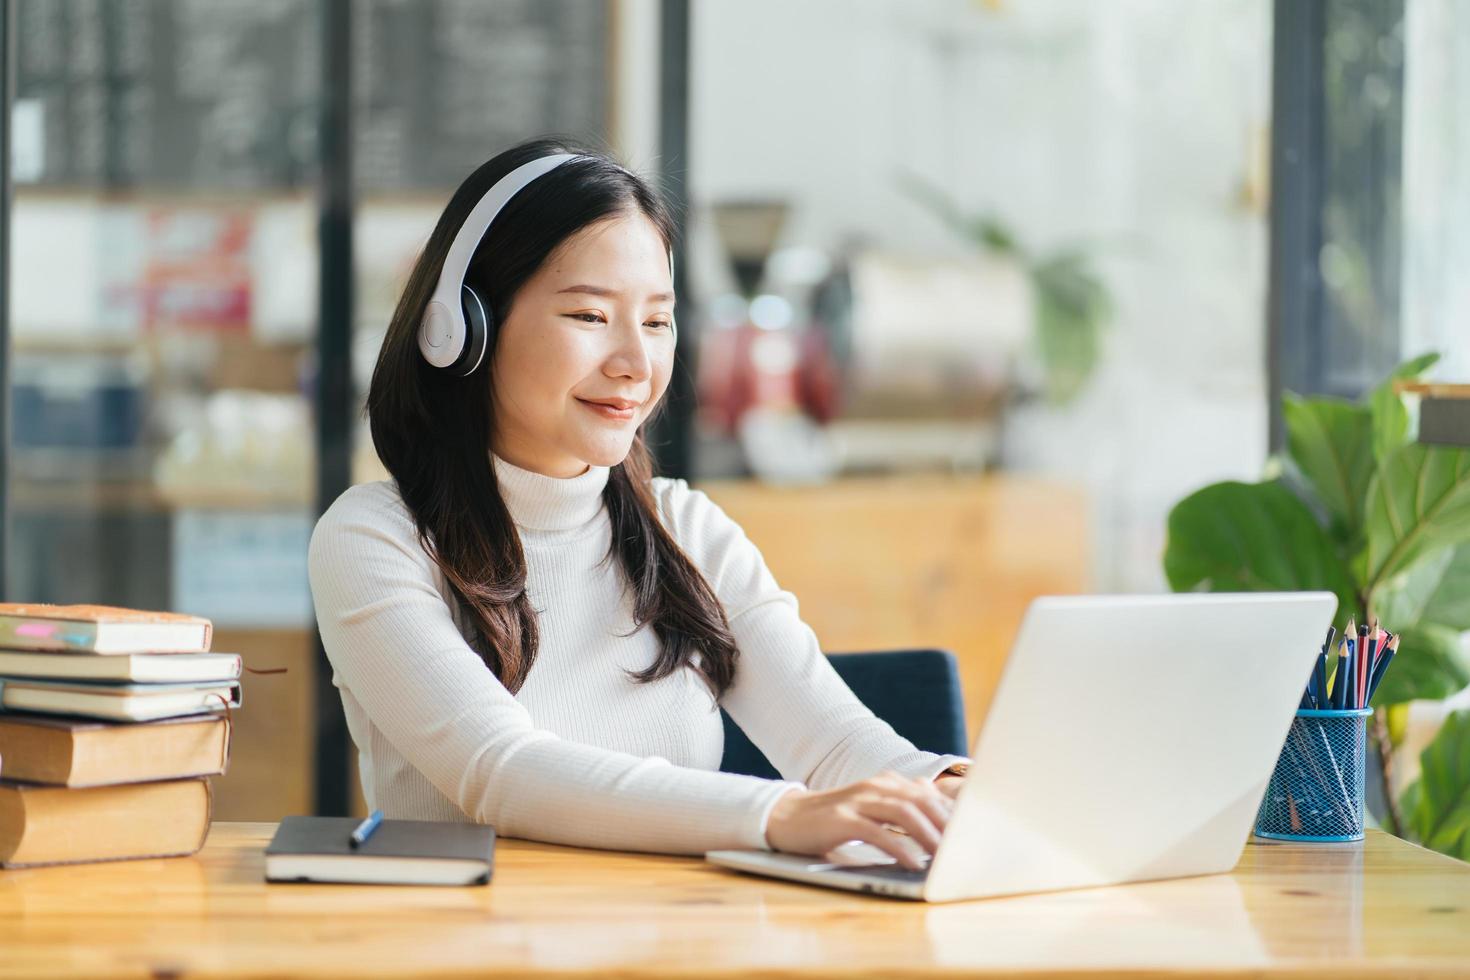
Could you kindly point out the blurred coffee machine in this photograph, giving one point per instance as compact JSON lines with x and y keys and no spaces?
{"x":767,"y":379}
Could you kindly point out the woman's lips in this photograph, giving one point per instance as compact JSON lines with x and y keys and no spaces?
{"x":608,"y":412}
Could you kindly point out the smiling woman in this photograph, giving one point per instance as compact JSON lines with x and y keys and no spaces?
{"x":526,"y":626}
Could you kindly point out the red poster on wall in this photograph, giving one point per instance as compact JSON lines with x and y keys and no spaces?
{"x":191,"y":270}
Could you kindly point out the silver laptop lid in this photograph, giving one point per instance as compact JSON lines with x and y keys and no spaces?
{"x":1130,"y":738}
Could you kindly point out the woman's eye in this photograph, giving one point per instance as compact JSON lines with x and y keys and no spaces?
{"x":597,"y":318}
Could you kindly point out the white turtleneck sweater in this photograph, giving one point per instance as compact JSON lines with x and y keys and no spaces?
{"x":582,"y":754}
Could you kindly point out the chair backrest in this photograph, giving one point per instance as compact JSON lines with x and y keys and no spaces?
{"x":915,"y":691}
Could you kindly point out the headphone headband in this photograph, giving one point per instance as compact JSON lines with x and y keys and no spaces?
{"x":442,"y":333}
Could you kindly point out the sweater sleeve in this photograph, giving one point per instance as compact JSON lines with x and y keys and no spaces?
{"x":786,"y":697}
{"x":393,"y":643}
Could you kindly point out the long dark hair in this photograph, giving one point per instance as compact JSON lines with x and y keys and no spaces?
{"x":432,"y":432}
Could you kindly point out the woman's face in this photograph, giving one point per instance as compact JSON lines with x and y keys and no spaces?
{"x":593,"y":324}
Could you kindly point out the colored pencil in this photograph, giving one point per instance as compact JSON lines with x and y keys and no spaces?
{"x":1383,"y":662}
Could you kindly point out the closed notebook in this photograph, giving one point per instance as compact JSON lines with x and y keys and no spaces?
{"x":75,"y":752}
{"x":400,"y":852}
{"x":146,"y":668}
{"x":100,"y":629}
{"x":53,"y":825}
{"x":116,"y":702}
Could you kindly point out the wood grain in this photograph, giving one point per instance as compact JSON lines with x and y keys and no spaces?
{"x":1382,"y":908}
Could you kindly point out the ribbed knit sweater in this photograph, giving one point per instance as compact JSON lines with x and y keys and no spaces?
{"x":582,"y":754}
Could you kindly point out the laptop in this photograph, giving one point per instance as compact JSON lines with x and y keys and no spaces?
{"x":1130,"y":739}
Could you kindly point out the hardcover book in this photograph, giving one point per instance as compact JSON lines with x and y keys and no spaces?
{"x":100,"y":629}
{"x":146,"y":668}
{"x":117,"y":702}
{"x":42,"y":825}
{"x":76,"y":752}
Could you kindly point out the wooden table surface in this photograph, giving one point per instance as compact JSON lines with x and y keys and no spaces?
{"x":1379,"y":908}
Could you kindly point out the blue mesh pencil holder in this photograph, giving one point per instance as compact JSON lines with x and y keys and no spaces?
{"x":1316,"y":791}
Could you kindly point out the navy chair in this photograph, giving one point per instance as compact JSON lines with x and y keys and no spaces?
{"x":915,"y":691}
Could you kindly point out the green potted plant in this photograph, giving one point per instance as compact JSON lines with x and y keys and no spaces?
{"x":1073,"y":306}
{"x":1356,"y":507}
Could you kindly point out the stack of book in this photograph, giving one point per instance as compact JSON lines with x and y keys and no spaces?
{"x":111,"y":720}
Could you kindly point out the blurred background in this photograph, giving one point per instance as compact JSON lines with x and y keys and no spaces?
{"x":971,"y":291}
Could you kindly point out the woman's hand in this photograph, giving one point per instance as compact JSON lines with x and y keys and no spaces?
{"x":949,"y":785}
{"x":803,"y":822}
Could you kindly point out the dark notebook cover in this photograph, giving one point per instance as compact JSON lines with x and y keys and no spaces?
{"x":423,"y":839}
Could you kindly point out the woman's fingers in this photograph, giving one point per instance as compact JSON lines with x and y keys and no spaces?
{"x":935,"y":803}
{"x":922,"y":793}
{"x":873,"y":833}
{"x":902,"y":813}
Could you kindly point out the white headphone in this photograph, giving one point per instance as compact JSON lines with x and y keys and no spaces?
{"x":455,"y":330}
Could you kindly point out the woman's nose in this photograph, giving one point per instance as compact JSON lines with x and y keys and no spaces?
{"x":631,"y":356}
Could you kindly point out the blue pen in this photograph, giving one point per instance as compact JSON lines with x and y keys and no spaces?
{"x":365,"y":830}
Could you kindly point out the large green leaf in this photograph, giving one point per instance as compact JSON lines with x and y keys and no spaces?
{"x":1253,"y":537}
{"x":1390,"y":417}
{"x":1440,"y":801}
{"x":1435,"y":589}
{"x":1331,"y":442}
{"x":1449,"y":605}
{"x":1418,"y":503}
{"x":1430,"y":665}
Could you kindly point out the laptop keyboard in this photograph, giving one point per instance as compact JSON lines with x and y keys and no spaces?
{"x":895,"y":872}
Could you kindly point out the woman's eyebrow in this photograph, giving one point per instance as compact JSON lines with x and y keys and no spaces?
{"x":613,"y":293}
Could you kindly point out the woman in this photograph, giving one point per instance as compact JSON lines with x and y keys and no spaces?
{"x":527,"y":628}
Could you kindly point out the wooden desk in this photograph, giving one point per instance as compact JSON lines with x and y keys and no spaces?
{"x":1383,"y":908}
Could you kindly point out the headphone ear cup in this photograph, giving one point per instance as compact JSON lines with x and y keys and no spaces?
{"x":478,"y":323}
